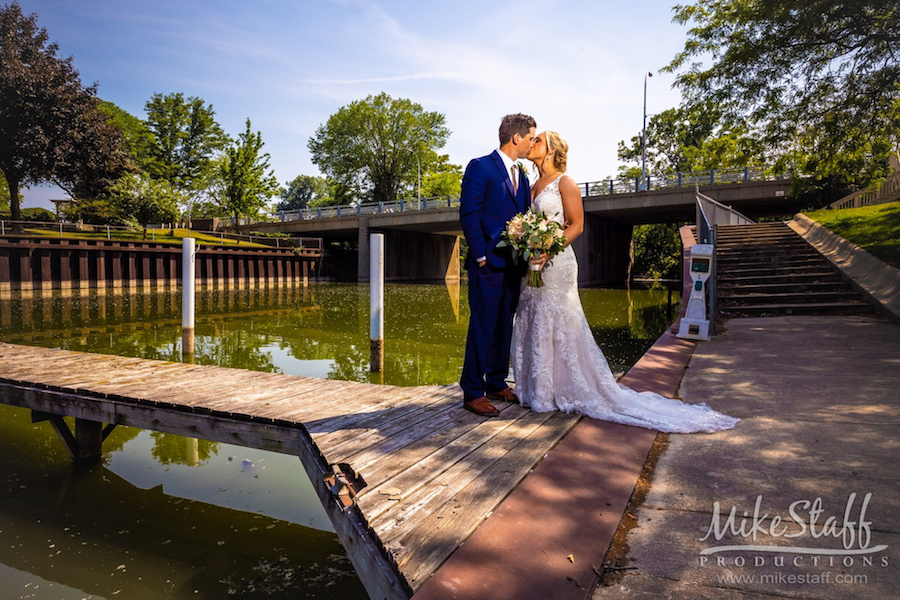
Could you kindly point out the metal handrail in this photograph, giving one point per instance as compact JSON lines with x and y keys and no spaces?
{"x":711,"y":213}
{"x":588,"y":189}
{"x":310,"y":243}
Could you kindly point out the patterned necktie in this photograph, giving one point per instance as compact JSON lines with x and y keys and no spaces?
{"x":512,"y":172}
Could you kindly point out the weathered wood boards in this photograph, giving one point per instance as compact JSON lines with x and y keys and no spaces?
{"x":434,"y":471}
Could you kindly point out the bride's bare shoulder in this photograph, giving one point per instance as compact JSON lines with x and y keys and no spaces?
{"x":566,"y":183}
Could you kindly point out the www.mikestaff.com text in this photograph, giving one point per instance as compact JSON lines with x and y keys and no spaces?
{"x":794,"y":578}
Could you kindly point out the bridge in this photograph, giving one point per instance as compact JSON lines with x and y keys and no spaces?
{"x":422,"y":236}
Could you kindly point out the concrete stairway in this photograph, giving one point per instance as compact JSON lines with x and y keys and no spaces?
{"x":767,"y":269}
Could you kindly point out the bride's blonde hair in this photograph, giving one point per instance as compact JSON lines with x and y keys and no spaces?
{"x":561,"y":146}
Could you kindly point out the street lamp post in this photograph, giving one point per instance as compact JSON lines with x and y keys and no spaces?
{"x":419,"y":180}
{"x":644,"y":138}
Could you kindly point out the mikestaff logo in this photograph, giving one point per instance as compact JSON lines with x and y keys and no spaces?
{"x":817,"y":540}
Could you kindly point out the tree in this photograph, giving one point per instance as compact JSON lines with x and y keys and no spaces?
{"x":442,"y":178}
{"x":146,"y":200}
{"x":245,"y":182}
{"x":185,"y":140}
{"x":817,"y":81}
{"x":97,"y":211}
{"x":96,"y":158}
{"x":305,"y":191}
{"x":4,"y":193}
{"x":49,"y":129}
{"x":137,"y":139}
{"x":690,"y":138}
{"x":657,"y":250}
{"x":370,"y":146}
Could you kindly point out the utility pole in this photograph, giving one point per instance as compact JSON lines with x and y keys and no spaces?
{"x":644,"y":138}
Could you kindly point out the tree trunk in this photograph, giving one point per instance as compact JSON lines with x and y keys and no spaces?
{"x":15,"y":213}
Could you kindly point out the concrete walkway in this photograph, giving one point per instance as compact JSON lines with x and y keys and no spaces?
{"x":820,"y":401}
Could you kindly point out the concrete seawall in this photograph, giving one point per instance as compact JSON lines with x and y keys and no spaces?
{"x":877,"y":281}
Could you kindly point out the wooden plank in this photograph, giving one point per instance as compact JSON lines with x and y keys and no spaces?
{"x":446,"y":462}
{"x":363,"y":428}
{"x":371,"y":561}
{"x":410,"y":512}
{"x":389,"y":398}
{"x":418,"y":464}
{"x":425,"y":548}
{"x":334,"y":403}
{"x":171,"y":419}
{"x":292,"y":398}
{"x":380,"y":442}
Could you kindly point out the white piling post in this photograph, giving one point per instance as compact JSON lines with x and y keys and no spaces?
{"x":187,"y":296}
{"x":376,"y":302}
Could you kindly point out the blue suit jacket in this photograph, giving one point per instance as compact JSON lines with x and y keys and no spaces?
{"x":486,"y":204}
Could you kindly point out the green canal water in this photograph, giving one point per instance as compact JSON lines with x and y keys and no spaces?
{"x":164,"y":516}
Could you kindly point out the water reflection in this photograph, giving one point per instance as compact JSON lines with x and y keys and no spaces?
{"x":167,"y":516}
{"x":134,"y":528}
{"x":319,"y":330}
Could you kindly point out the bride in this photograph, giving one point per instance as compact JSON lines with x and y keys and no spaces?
{"x":556,"y":362}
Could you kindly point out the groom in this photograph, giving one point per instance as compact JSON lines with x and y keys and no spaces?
{"x":494,"y":190}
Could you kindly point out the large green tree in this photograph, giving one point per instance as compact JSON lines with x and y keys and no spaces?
{"x":137,"y":139}
{"x":147,"y":200}
{"x":50,"y":126}
{"x":305,"y":191}
{"x":817,"y":81}
{"x":370,"y":147}
{"x":441,"y":178}
{"x":244,"y":180}
{"x":185,"y":141}
{"x":691,"y":138}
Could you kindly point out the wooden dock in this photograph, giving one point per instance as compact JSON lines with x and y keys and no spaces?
{"x":434,"y":472}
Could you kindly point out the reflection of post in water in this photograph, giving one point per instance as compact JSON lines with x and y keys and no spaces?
{"x":453,"y":291}
{"x":192,"y":452}
{"x":376,"y":302}
{"x":187,"y":298}
{"x":46,"y":301}
{"x":27,"y":310}
{"x":101,"y":298}
{"x":5,"y":310}
{"x":630,"y":306}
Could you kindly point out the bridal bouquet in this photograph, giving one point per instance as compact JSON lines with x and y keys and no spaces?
{"x":530,"y":235}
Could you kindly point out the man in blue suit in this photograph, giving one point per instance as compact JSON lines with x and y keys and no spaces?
{"x":494,"y":190}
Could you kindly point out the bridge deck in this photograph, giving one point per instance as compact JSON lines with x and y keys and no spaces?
{"x":434,"y":471}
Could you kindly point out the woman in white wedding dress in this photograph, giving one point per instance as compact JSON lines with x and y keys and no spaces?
{"x":556,"y":362}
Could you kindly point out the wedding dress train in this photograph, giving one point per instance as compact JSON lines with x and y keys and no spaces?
{"x":558,"y":366}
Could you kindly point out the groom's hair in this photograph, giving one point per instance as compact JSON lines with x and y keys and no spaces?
{"x":513,"y":124}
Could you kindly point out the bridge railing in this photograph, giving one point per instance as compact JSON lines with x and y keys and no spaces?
{"x":887,"y":191}
{"x":588,"y":189}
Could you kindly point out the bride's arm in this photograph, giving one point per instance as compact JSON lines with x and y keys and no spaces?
{"x":573,"y":209}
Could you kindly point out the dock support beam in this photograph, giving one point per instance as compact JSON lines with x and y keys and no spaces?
{"x":86,"y":444}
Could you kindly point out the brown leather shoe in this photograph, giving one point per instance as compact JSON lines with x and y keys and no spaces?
{"x":480,"y":406}
{"x":506,"y":394}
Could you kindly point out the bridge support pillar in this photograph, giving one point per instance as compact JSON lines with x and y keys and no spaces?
{"x":362,"y":256}
{"x":603,"y":252}
{"x":412,"y":256}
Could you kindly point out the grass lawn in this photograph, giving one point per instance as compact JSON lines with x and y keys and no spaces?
{"x":875,"y":228}
{"x":162,"y":236}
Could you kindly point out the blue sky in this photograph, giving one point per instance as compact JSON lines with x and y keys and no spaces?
{"x":577,"y":66}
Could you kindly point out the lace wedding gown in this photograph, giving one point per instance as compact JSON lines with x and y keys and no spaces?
{"x":558,"y":366}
